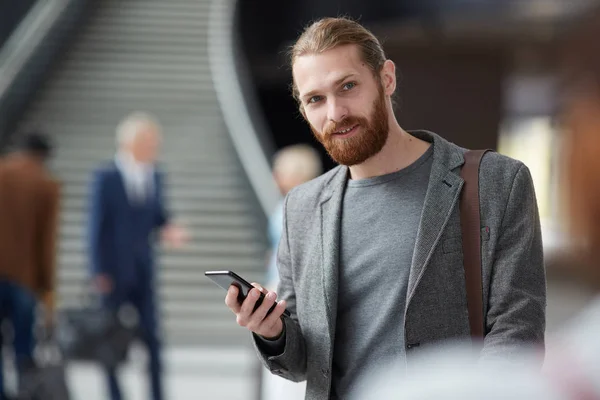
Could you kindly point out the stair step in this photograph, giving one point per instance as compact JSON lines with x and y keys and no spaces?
{"x":145,"y":10}
{"x":104,"y":140}
{"x":113,"y":114}
{"x":152,"y":56}
{"x":111,"y":111}
{"x":195,"y":159}
{"x":100,"y":86}
{"x":205,"y":181}
{"x":127,"y":27}
{"x":196,"y":220}
{"x":80,"y":260}
{"x":83,"y":102}
{"x":98,"y":54}
{"x":109,"y":16}
{"x":179,"y":206}
{"x":190,"y":155}
{"x":173,"y":172}
{"x":175,"y":37}
{"x":204,"y":249}
{"x":208,"y":128}
{"x":90,"y":72}
{"x":72,"y":232}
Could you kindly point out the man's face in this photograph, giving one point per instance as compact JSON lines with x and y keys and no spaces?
{"x":144,"y":147}
{"x":343,"y":102}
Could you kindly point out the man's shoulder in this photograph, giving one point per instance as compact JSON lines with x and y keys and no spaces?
{"x":105,"y":169}
{"x":497,"y":173}
{"x":501,"y":178}
{"x":315,"y":186}
{"x":499,"y":168}
{"x":310,"y":192}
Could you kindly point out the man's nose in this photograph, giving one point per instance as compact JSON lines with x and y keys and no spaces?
{"x":336,"y":111}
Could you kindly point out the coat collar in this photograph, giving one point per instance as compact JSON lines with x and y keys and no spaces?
{"x":443,"y":191}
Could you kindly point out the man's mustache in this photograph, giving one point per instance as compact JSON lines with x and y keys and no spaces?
{"x":334,"y":127}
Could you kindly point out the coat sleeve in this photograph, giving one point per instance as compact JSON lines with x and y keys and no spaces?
{"x":291,"y":362}
{"x":162,"y":216}
{"x":48,"y":231}
{"x":517,"y":299}
{"x":97,"y":220}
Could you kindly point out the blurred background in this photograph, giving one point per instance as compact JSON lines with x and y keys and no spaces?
{"x":481,"y":73}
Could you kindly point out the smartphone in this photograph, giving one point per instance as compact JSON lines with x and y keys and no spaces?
{"x":227,"y":278}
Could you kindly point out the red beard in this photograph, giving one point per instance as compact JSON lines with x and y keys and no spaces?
{"x":362,"y":145}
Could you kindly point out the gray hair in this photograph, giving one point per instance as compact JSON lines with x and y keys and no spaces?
{"x":129,"y":127}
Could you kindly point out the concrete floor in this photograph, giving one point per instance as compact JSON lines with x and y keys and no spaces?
{"x":230,"y":373}
{"x":191,"y":374}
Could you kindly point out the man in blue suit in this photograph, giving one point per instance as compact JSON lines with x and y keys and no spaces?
{"x":127,"y":211}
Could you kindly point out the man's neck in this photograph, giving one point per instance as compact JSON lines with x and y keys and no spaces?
{"x":400,"y":150}
{"x":129,"y":160}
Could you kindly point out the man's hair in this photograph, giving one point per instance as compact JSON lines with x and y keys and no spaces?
{"x":300,"y":161}
{"x":36,"y":142}
{"x":329,"y":33}
{"x":129,"y":126}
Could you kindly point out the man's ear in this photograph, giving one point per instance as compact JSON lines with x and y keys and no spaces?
{"x":388,"y":77}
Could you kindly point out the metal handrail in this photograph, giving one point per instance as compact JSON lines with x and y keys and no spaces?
{"x":26,"y":38}
{"x":240,"y":119}
{"x":28,"y":54}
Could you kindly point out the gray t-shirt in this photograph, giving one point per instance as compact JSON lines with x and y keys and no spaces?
{"x":380,"y":219}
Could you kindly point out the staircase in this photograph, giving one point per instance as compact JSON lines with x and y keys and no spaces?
{"x":151,"y":56}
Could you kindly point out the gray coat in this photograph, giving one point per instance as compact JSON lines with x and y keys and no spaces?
{"x":513,"y":274}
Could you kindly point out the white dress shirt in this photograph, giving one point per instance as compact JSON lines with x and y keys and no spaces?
{"x":138,"y":177}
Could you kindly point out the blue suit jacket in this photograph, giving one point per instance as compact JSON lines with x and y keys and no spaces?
{"x":121,"y":234}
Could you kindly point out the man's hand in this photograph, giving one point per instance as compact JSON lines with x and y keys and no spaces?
{"x":174,"y":236}
{"x":103,"y":284}
{"x":269,"y":326}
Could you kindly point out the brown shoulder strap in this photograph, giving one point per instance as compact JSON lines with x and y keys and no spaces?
{"x":471,"y":240}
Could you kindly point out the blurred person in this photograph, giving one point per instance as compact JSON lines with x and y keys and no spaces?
{"x":127,"y":209}
{"x":292,"y":166}
{"x":29,"y":204}
{"x":370,"y":260}
{"x":454,"y":371}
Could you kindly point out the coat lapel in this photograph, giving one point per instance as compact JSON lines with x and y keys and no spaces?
{"x":443,"y":192}
{"x":331,"y":216}
{"x":121,"y":185}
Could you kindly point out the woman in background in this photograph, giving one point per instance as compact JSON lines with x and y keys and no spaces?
{"x":292,"y":166}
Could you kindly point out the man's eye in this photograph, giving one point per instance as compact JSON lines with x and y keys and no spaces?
{"x":349,"y":85}
{"x":314,"y":99}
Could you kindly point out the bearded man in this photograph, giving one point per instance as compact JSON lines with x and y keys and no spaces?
{"x":370,"y":259}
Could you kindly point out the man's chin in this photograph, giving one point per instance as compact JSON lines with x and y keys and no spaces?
{"x":351,"y":160}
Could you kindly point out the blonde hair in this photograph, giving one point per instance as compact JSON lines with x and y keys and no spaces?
{"x":329,"y":33}
{"x":129,"y":127}
{"x":300,"y":161}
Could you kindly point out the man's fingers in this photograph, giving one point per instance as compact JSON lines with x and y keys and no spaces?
{"x":257,"y":318}
{"x":272,"y":318}
{"x":259,"y":287}
{"x":248,"y":305}
{"x":232,"y":299}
